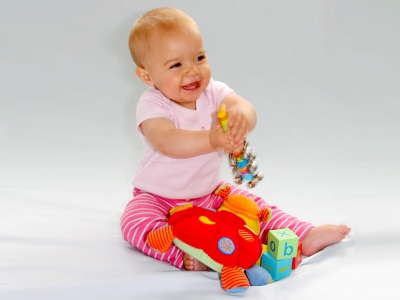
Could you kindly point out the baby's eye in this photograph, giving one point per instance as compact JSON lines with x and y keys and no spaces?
{"x":177,"y":65}
{"x":201,"y":57}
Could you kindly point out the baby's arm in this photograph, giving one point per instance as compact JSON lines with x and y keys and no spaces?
{"x":179,"y":143}
{"x":242,"y":118}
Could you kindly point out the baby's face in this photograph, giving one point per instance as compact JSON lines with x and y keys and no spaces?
{"x":178,"y":66}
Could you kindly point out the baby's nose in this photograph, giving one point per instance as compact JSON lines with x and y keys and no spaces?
{"x":192,"y":70}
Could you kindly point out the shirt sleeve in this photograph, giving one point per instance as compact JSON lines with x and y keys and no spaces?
{"x":219,"y":91}
{"x":152,"y":104}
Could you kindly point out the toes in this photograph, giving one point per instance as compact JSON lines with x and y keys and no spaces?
{"x":192,"y":264}
{"x":346,"y":229}
{"x":188,"y":263}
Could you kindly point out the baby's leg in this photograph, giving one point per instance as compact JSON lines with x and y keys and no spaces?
{"x":314,"y":239}
{"x":147,"y":212}
{"x":143,"y":214}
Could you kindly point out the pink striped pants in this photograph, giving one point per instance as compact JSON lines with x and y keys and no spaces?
{"x":148,"y":211}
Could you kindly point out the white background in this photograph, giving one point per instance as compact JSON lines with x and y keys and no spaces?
{"x":323,"y":76}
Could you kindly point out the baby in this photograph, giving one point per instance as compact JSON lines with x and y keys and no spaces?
{"x":177,"y":118}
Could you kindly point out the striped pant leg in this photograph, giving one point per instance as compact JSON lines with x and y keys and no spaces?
{"x":279,"y":219}
{"x":143,"y":214}
{"x":147,"y":212}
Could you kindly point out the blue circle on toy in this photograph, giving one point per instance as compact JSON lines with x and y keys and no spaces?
{"x":226,"y":245}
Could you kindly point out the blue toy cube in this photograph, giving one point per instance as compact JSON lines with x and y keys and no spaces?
{"x":277,"y":268}
{"x":282,"y":243}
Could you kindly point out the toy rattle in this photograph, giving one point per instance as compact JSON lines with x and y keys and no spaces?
{"x":243,"y":165}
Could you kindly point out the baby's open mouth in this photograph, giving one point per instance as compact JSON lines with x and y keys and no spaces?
{"x":191,"y":86}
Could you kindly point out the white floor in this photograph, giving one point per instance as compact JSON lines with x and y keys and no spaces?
{"x":324,"y":77}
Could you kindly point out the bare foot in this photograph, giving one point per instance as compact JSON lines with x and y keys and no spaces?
{"x":321,"y":237}
{"x":192,"y":264}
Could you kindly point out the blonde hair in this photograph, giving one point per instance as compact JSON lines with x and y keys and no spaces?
{"x":151,"y":23}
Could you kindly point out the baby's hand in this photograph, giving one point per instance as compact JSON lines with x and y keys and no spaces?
{"x":220,"y":139}
{"x":242,"y":119}
{"x":239,"y":127}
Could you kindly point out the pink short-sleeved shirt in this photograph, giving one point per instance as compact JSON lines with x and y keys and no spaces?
{"x":175,"y":178}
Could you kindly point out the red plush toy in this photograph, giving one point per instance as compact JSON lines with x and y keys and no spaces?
{"x":224,"y":240}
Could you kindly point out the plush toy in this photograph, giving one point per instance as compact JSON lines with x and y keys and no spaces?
{"x":225,"y":240}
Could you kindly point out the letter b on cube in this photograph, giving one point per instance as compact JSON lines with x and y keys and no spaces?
{"x":282,"y":243}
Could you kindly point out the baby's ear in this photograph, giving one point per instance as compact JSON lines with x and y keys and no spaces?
{"x":144,"y":75}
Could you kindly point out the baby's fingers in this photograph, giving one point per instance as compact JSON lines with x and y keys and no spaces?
{"x":238,"y":131}
{"x":234,"y":120}
{"x":241,"y":133}
{"x":238,"y":148}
